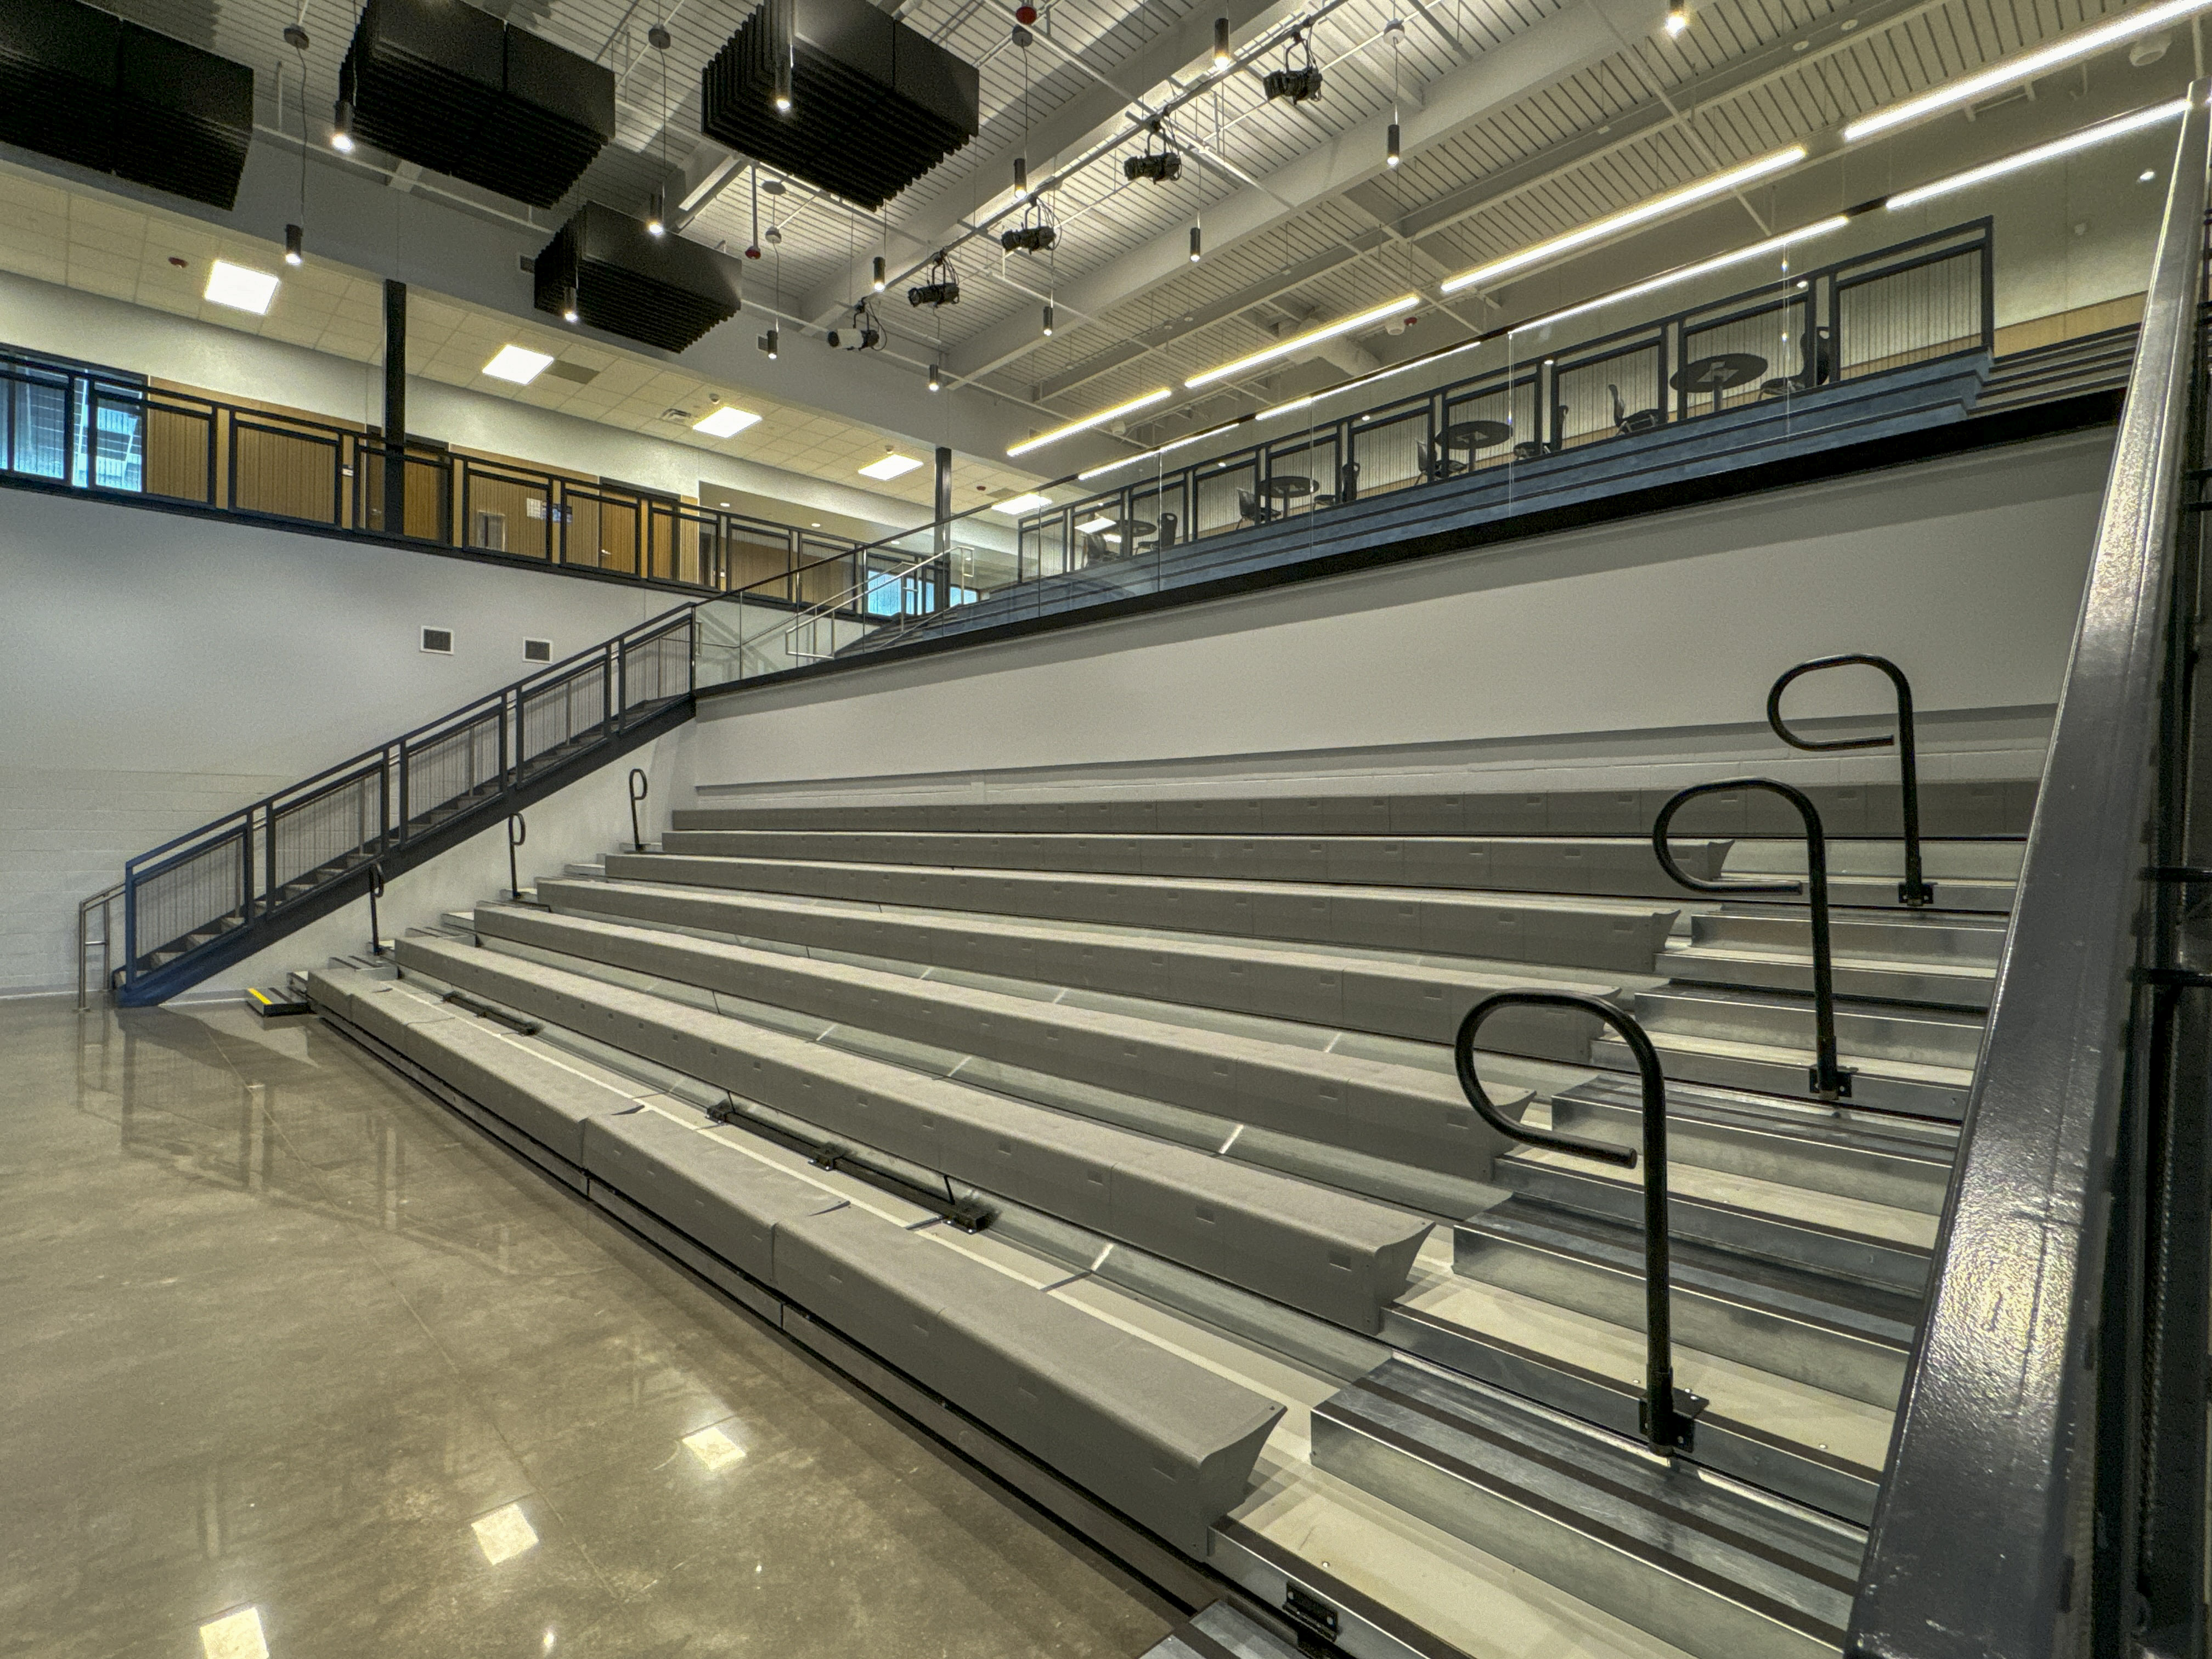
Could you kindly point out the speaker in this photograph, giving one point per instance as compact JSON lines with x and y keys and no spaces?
{"x":874,"y":105}
{"x":663,"y":290}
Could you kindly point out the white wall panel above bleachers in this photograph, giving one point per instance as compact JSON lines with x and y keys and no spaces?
{"x":1649,"y":644}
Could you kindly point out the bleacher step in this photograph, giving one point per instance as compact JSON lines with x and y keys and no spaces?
{"x":1919,"y":1037}
{"x":1905,"y":1164}
{"x":1818,"y":1233}
{"x":1824,"y":1332}
{"x":1687,"y":1556}
{"x":1966,"y":988}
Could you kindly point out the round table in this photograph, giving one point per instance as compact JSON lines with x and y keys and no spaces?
{"x":1722,"y":372}
{"x":1476,"y":435}
{"x":1125,"y":532}
{"x":1287,"y":486}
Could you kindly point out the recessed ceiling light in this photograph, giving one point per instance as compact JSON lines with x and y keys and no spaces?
{"x":239,"y":287}
{"x":724,"y":422}
{"x":518,"y":364}
{"x":891,"y":466}
{"x":1092,"y":527}
{"x":1014,"y":506}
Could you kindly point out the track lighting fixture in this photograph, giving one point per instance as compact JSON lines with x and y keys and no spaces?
{"x":1163,"y":168}
{"x":1677,"y":17}
{"x":656,"y":221}
{"x":1390,"y":155}
{"x":863,"y":333}
{"x":1221,"y":56}
{"x":294,"y":239}
{"x":770,"y":342}
{"x":936,"y":377}
{"x":880,"y":277}
{"x":1047,"y":319}
{"x":1299,"y":82}
{"x":942,"y":287}
{"x":342,"y":128}
{"x":568,"y":314}
{"x":1021,"y":175}
{"x":1195,"y":247}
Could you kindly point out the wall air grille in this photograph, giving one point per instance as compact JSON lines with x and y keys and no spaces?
{"x":875,"y":105}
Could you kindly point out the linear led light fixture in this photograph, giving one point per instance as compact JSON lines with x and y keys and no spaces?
{"x":1154,"y":455}
{"x":1396,"y":307}
{"x":1087,"y":422}
{"x":2050,"y":152}
{"x":726,"y":421}
{"x":2025,"y":67}
{"x":1687,"y":273}
{"x":1659,"y":207}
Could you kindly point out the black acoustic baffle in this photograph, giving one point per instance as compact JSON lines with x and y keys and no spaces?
{"x":184,"y":118}
{"x":663,"y":290}
{"x":58,"y":80}
{"x":874,"y":105}
{"x":448,"y":87}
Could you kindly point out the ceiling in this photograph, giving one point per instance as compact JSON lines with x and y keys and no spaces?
{"x":84,"y":239}
{"x":1523,"y":118}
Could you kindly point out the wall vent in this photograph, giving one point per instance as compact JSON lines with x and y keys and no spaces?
{"x":438,"y":641}
{"x":538,"y":651}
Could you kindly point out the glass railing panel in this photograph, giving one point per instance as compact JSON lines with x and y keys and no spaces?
{"x":1386,"y":448}
{"x":1753,"y":345}
{"x":1618,"y":390}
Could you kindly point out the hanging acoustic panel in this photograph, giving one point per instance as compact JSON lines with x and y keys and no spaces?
{"x":448,"y":87}
{"x":874,"y":104}
{"x":663,"y":290}
{"x":80,"y":84}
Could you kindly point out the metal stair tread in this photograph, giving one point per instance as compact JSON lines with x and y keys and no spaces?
{"x":1795,"y":1569}
{"x":1886,"y":1318}
{"x":1853,"y":1218}
{"x":1849,"y":1430}
{"x":1775,"y":1054}
{"x":1716,"y":953}
{"x":1936,"y":1143}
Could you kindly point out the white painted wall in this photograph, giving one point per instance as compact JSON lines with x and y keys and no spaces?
{"x":1634,"y":653}
{"x":159,"y":670}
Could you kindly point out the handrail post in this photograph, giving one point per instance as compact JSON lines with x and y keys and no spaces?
{"x":1913,"y":891}
{"x":376,"y":892}
{"x":1829,"y":1080}
{"x":1667,"y":1424}
{"x":638,"y":788}
{"x":518,"y":832}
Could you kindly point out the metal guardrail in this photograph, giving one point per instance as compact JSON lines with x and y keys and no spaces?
{"x":2046,"y":1485}
{"x":188,"y":895}
{"x":108,"y":433}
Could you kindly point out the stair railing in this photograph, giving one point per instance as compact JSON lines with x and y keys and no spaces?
{"x":518,"y":832}
{"x":1668,"y":1427}
{"x":638,"y":788}
{"x":103,"y":904}
{"x":1912,"y":892}
{"x":1829,"y":1080}
{"x":376,"y":892}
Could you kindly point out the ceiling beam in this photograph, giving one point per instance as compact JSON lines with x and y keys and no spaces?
{"x":1583,"y":33}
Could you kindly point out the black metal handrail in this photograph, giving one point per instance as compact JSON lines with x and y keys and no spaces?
{"x":1668,"y":1427}
{"x":1913,"y":890}
{"x":376,"y":892}
{"x":1828,"y":1080}
{"x":638,"y":788}
{"x":518,"y":832}
{"x":209,"y":882}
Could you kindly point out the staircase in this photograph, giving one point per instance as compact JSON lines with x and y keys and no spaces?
{"x":1178,"y":1075}
{"x":206,"y":900}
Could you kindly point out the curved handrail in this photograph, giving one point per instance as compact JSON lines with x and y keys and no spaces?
{"x":1668,"y":1428}
{"x":639,"y":789}
{"x":376,"y":892}
{"x":1829,"y":1080}
{"x":1912,"y":892}
{"x":518,"y":832}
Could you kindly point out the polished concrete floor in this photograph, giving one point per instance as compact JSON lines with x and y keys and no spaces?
{"x":293,"y":1361}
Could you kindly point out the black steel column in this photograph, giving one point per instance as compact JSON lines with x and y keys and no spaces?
{"x":941,"y":538}
{"x":395,"y":408}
